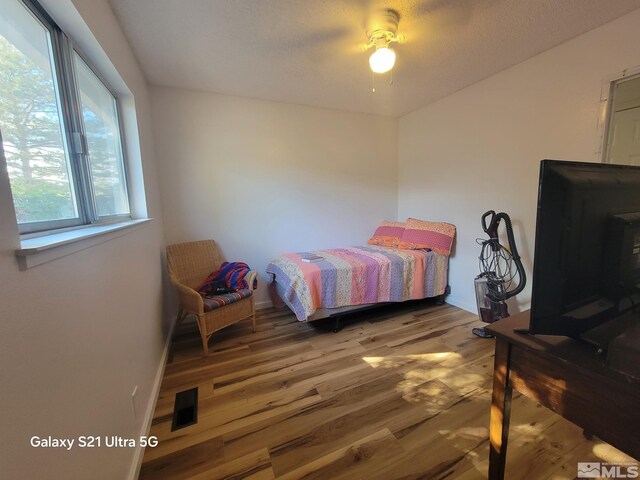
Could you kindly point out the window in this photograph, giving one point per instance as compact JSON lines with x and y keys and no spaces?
{"x":100,"y":117}
{"x":60,"y":127}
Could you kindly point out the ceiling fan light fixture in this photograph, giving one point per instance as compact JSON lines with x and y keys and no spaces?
{"x":382,"y":30}
{"x":382,"y":60}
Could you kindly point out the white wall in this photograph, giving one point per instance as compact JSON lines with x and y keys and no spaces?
{"x":78,"y":333}
{"x":264,"y":178}
{"x":480,"y":148}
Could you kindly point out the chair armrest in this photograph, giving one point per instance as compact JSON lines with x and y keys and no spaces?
{"x":190,"y":300}
{"x":250,"y":277}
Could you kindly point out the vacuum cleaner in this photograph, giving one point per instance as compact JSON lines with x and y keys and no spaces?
{"x":499,"y":267}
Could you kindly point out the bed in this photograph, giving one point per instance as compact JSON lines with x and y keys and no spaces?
{"x":346,"y":279}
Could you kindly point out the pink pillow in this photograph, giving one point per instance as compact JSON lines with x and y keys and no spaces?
{"x":437,"y":236}
{"x":388,"y":234}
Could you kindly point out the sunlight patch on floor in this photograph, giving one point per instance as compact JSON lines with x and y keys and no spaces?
{"x":527,"y":429}
{"x":435,"y":394}
{"x":420,"y":358}
{"x":466,"y":380}
{"x":607,"y":453}
{"x":468,"y":433}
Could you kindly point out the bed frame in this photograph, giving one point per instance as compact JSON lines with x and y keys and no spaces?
{"x":337,"y":313}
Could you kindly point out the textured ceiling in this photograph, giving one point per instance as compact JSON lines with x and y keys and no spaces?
{"x":310,"y":51}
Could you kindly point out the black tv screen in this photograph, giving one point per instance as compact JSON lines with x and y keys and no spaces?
{"x":587,"y":250}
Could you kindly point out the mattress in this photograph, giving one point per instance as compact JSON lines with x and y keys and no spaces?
{"x":355,"y":276}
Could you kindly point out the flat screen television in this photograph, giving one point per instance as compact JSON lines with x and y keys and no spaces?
{"x":587,"y":250}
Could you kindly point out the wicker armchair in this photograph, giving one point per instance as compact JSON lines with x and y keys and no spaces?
{"x":189,"y":265}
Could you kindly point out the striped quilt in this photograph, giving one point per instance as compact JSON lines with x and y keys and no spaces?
{"x":357,"y":276}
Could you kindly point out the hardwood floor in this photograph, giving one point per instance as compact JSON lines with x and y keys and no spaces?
{"x":400,"y":392}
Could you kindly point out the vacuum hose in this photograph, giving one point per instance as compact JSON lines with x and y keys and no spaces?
{"x":514,"y":254}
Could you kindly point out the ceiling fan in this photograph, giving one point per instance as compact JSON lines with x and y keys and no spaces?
{"x":380,"y":28}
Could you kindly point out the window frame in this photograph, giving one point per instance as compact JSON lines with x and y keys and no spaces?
{"x":67,"y":93}
{"x":84,"y":163}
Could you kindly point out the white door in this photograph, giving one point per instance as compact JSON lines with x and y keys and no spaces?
{"x":625,"y":137}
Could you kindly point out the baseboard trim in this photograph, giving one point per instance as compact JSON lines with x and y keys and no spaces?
{"x":461,"y":303}
{"x":151,"y":407}
{"x":263,"y":305}
{"x":473,"y":308}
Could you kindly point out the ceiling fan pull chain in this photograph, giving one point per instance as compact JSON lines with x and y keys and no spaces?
{"x":373,"y":82}
{"x":391,"y":79}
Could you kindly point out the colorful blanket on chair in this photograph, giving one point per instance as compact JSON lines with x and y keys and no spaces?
{"x":356,"y":276}
{"x":231,"y":274}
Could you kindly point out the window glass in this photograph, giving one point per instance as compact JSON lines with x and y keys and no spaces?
{"x":31,"y":120}
{"x":100,"y":117}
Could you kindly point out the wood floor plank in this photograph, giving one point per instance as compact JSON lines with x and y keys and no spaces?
{"x":333,"y":434}
{"x":186,"y":462}
{"x":357,"y":460}
{"x":306,"y":424}
{"x":211,"y":427}
{"x":285,"y":355}
{"x":400,"y":392}
{"x":309,"y":358}
{"x":253,"y":466}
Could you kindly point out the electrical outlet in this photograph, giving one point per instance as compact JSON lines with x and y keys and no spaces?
{"x":134,"y":401}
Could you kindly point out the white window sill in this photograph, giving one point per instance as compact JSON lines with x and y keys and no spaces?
{"x":39,"y":250}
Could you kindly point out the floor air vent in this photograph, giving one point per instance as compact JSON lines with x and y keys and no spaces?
{"x":185,"y":409}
